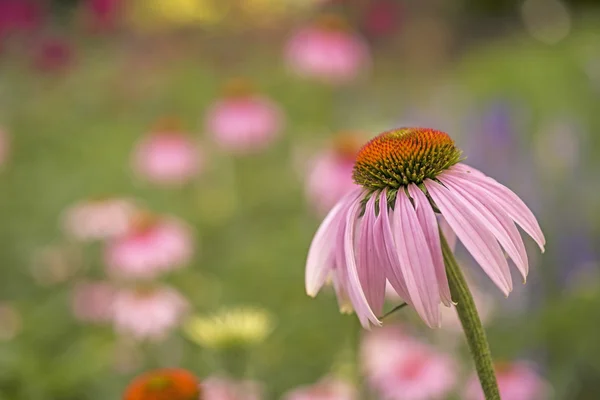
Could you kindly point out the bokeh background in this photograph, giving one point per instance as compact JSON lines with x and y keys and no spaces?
{"x":165,"y":163}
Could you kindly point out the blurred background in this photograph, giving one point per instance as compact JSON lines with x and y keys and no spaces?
{"x":164,"y":165}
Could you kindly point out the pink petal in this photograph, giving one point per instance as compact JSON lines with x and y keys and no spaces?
{"x":370,"y":269}
{"x":319,"y":260}
{"x":491,"y":214}
{"x":355,"y":290}
{"x":388,"y":253}
{"x":416,"y":261}
{"x":475,"y":236}
{"x":429,"y":223}
{"x":508,"y":200}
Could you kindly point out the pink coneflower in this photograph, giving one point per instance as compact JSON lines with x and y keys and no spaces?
{"x":98,"y":219}
{"x":327,"y":51}
{"x":330,"y":176}
{"x":326,"y":389}
{"x":517,"y":381}
{"x":387,"y":228}
{"x":400,"y":367}
{"x":153,"y":245}
{"x":93,"y":301}
{"x":148,"y":312}
{"x":243,"y":121}
{"x":168,"y":158}
{"x":220,"y":388}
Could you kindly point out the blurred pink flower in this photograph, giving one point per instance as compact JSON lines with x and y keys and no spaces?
{"x":220,"y":388}
{"x":93,"y":301}
{"x":52,"y":55}
{"x":153,"y":245}
{"x":326,"y":389}
{"x":97,"y":219}
{"x":148,"y":312}
{"x":167,"y":158}
{"x":330,"y":175}
{"x":20,"y":16}
{"x":102,"y":15}
{"x":517,"y":381}
{"x":11,"y":322}
{"x":399,"y":367}
{"x":382,"y":17}
{"x":243,"y":121}
{"x":327,"y":51}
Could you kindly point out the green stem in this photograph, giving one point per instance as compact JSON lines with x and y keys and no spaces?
{"x":467,"y":313}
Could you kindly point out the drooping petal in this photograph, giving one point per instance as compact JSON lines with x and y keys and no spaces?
{"x":509,"y":201}
{"x":388,"y":252}
{"x":494,"y":217}
{"x":447,"y":231}
{"x":478,"y":240}
{"x":320,"y":253}
{"x":416,"y":261}
{"x":355,"y":290}
{"x":370,"y":269}
{"x":429,"y":224}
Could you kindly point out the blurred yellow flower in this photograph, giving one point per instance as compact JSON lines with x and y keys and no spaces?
{"x":236,"y":327}
{"x":156,"y":13}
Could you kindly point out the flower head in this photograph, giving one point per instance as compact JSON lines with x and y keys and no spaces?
{"x":150,"y":247}
{"x":243,"y":121}
{"x":167,"y":157}
{"x":230,"y":327}
{"x":387,"y":228}
{"x":148,"y":312}
{"x":330,"y":175}
{"x":399,"y":367}
{"x":164,"y":384}
{"x":92,"y":301}
{"x":517,"y":381}
{"x":327,"y":51}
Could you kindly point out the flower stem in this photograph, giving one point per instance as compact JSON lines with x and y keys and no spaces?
{"x":467,"y":313}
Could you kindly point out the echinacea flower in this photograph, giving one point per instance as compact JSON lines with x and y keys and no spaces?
{"x":164,"y":384}
{"x":326,"y":389}
{"x":167,"y":157}
{"x":387,"y":228}
{"x":222,"y":388}
{"x":330,"y":175}
{"x":93,"y":301}
{"x":98,"y":218}
{"x":148,"y":312}
{"x":327,"y":51}
{"x":244,"y":121}
{"x":517,"y":381}
{"x":400,"y":367}
{"x":152,"y":246}
{"x":242,"y":326}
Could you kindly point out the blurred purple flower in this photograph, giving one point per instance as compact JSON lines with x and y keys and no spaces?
{"x":517,"y":381}
{"x":148,"y":312}
{"x":221,"y":388}
{"x":327,"y":51}
{"x":93,"y":301}
{"x":168,"y":158}
{"x":326,"y":389}
{"x":152,"y":246}
{"x":243,"y":121}
{"x":399,"y":367}
{"x":103,"y":15}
